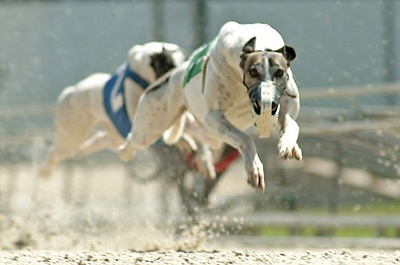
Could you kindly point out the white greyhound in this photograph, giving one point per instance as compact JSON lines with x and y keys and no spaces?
{"x":108,"y":101}
{"x":240,"y":80}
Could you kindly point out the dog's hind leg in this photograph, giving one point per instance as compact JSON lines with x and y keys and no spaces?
{"x":51,"y":161}
{"x":73,"y":127}
{"x":57,"y":153}
{"x":107,"y":138}
{"x":206,"y":161}
{"x":98,"y":141}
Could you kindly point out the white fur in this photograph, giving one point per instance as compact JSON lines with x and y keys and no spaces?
{"x":80,"y":110}
{"x":219,"y":102}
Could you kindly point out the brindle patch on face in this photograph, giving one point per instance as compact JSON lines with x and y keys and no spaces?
{"x":265,"y":66}
{"x":162,"y":62}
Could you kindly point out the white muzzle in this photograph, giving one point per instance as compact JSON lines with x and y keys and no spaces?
{"x":265,"y":100}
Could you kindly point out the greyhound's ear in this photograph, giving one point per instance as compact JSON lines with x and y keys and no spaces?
{"x":288,"y":52}
{"x":249,"y":47}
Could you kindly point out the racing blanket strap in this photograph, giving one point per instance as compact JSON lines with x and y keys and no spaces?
{"x":114,"y":98}
{"x":196,"y":62}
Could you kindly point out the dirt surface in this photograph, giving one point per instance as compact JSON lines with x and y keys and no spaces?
{"x":333,"y":256}
{"x":100,"y":217}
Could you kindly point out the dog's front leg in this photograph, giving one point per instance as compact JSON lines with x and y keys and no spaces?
{"x":219,"y":125}
{"x":287,"y":146}
{"x":289,"y":129}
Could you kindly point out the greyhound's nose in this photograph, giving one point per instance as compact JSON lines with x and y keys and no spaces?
{"x":274,"y":107}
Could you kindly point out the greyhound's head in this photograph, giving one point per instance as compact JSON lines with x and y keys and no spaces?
{"x":163,"y":62}
{"x":265,"y":77}
{"x":153,"y":59}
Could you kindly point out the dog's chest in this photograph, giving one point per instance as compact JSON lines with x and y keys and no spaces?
{"x":235,"y":104}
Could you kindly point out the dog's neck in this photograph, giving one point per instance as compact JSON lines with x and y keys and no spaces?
{"x":142,"y":68}
{"x":219,"y":62}
{"x":137,"y":78}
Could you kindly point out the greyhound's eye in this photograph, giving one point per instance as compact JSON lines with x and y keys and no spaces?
{"x":279,"y":73}
{"x":254,"y":72}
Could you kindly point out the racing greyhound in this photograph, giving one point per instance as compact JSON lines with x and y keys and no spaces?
{"x":106,"y":100}
{"x":241,"y":80}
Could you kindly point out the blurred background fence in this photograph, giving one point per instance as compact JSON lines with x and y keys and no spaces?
{"x":347,"y":70}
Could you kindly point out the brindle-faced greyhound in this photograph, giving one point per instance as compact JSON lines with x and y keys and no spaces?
{"x":108,"y":101}
{"x":240,"y":80}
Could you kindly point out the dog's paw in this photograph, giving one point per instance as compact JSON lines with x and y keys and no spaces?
{"x":255,"y":174}
{"x":126,"y":153}
{"x":289,"y":151}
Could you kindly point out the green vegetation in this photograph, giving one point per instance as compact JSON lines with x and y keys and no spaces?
{"x":311,"y":231}
{"x":373,"y":209}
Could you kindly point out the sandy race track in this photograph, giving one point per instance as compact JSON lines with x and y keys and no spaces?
{"x":111,"y":221}
{"x":201,"y":257}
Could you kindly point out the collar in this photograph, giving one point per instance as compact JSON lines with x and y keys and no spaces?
{"x":136,"y":77}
